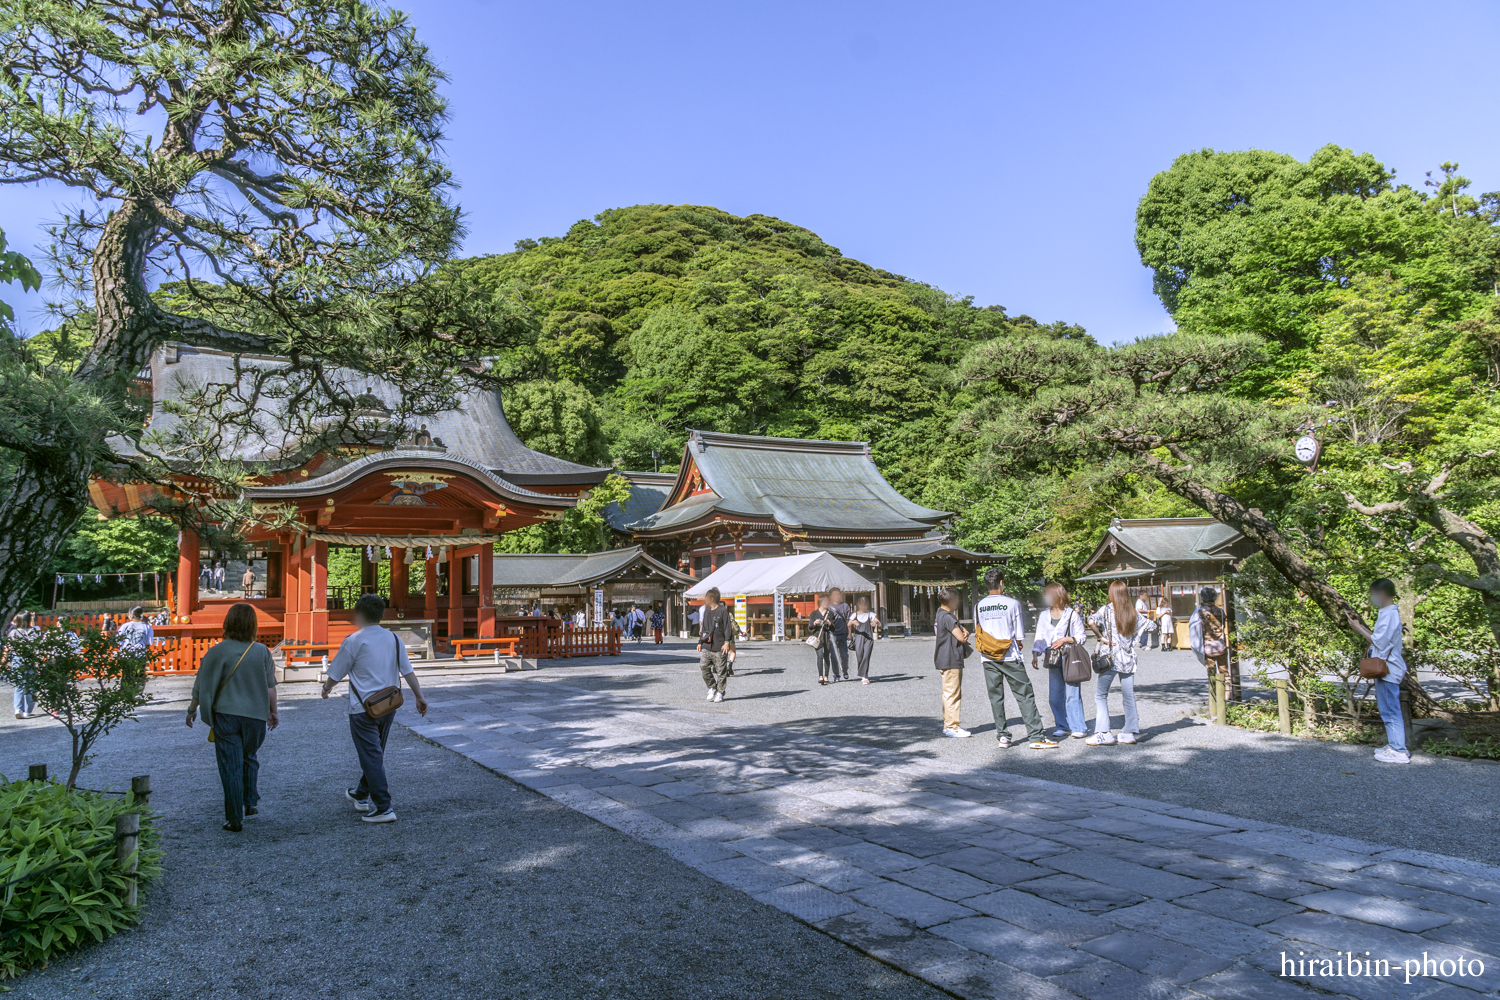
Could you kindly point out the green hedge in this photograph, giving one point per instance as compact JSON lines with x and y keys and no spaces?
{"x":82,"y":899}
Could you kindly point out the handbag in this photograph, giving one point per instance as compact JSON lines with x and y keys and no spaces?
{"x":220,"y":690}
{"x":1373,"y":668}
{"x":387,"y":699}
{"x":1076,"y":666}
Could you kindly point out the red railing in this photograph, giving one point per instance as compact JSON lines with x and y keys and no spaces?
{"x":548,"y":638}
{"x":180,"y":656}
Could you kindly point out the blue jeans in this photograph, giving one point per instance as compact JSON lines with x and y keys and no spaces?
{"x":236,"y":739}
{"x":370,"y":736}
{"x":1067,"y":703}
{"x":22,"y":701}
{"x":1388,"y":700}
{"x":1102,"y":684}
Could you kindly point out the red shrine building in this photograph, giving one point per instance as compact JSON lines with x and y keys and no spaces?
{"x":430,"y":506}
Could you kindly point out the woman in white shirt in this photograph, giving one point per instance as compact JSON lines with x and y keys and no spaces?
{"x":1057,"y":626}
{"x":1385,"y":644}
{"x":863,"y":624}
{"x":1119,"y":628}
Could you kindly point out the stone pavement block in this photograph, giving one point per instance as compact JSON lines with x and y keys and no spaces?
{"x":1244,"y":907}
{"x":1244,"y":983}
{"x":818,"y":838}
{"x":869,"y":929}
{"x":1154,"y":956}
{"x":676,"y":812}
{"x":1013,"y":844}
{"x":1206,"y":868}
{"x":1457,"y":906}
{"x":1165,"y":820}
{"x":1103,"y":980}
{"x":1125,"y":875}
{"x":873,"y":858}
{"x":838,"y":876}
{"x":1450,"y":992}
{"x":920,"y":908}
{"x":985,"y":864}
{"x":1041,"y":916}
{"x":633,"y":795}
{"x":1012,"y":945}
{"x":1443,"y":863}
{"x":806,"y":901}
{"x":1265,"y":884}
{"x":1286,"y":845}
{"x":917,"y":843}
{"x":1373,"y":910}
{"x":1482,"y":890}
{"x":944,"y":882}
{"x":1214,"y":935}
{"x":1080,"y":893}
{"x":749,"y":874}
{"x":986,"y":978}
{"x":715,"y":828}
{"x":1478,"y":937}
{"x":1282,"y":964}
{"x":681,"y":789}
{"x":1021,"y":822}
{"x":1046,"y":810}
{"x":771,"y":850}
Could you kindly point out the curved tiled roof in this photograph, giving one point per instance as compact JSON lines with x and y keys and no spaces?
{"x":548,"y":570}
{"x":476,"y":430}
{"x":798,"y":483}
{"x":344,"y":475}
{"x":648,"y":491}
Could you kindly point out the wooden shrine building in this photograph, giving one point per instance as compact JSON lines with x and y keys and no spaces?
{"x":909,"y":573}
{"x":430,"y":505}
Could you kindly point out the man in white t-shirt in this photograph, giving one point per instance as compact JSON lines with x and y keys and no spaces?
{"x":999,"y":617}
{"x":373,"y":658}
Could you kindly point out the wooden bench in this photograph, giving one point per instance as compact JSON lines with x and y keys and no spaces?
{"x":505,"y":646}
{"x":313,"y":653}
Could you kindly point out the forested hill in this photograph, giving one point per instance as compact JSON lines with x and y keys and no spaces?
{"x":655,"y":318}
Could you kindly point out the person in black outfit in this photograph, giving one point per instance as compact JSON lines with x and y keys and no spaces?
{"x":715,"y":642}
{"x":841,"y":612}
{"x":821,"y":624}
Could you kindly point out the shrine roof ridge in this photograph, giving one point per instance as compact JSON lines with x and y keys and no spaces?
{"x":423,"y":458}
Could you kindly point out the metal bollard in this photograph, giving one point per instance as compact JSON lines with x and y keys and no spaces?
{"x":1283,"y":706}
{"x":141,"y":786}
{"x":36,"y":772}
{"x":127,"y":839}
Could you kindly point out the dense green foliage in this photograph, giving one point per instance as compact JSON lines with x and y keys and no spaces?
{"x":678,"y":317}
{"x":82,"y":898}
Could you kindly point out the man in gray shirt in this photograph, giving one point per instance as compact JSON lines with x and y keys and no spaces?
{"x":372,"y":658}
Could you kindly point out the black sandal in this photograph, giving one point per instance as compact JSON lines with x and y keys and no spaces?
{"x":233,"y":828}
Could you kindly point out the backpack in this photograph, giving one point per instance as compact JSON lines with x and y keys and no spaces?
{"x":1213,"y":631}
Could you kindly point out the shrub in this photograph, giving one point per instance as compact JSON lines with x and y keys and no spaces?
{"x":82,"y":898}
{"x":88,"y":681}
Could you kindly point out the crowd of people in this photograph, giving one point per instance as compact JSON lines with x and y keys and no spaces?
{"x":1120,"y":628}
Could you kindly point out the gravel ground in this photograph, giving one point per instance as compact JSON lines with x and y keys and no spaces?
{"x":482,"y":889}
{"x":1433,"y":804}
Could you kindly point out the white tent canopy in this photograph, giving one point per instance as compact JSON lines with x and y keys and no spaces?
{"x":809,"y":573}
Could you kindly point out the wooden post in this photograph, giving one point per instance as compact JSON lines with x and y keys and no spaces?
{"x":400,"y":581}
{"x":1215,"y":698}
{"x":1232,"y":653}
{"x":429,"y":588}
{"x":141,"y":786}
{"x":1406,"y":719}
{"x":456,"y":580}
{"x":1283,"y":706}
{"x":187,"y":572}
{"x":318,"y":614}
{"x":127,"y":839}
{"x":486,"y":618}
{"x":36,"y":772}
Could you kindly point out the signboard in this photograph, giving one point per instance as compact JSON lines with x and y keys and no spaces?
{"x":741,"y":613}
{"x":598,"y":605}
{"x":778,"y":603}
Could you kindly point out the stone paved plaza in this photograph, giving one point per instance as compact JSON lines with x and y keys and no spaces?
{"x":792,"y":841}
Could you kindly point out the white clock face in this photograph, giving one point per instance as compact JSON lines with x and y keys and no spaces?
{"x":1306,"y":448}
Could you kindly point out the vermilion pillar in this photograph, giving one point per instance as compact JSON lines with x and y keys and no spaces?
{"x":187,"y":572}
{"x":429,"y":586}
{"x":456,"y":581}
{"x":318,"y":615}
{"x":486,"y":559}
{"x":399,"y":581}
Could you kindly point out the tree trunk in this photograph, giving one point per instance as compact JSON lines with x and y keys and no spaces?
{"x":1278,"y":551}
{"x":38,"y":507}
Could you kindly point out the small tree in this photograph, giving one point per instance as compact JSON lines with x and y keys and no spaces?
{"x":86,"y":680}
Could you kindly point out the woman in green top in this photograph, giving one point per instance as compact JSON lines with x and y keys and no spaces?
{"x":236,"y":686}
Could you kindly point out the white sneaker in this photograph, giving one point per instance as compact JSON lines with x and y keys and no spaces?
{"x":1059,"y":733}
{"x":1078,"y":736}
{"x":1386,"y":755}
{"x":360,"y":804}
{"x":718,"y":696}
{"x":386,"y":815}
{"x":1126,"y":738}
{"x":1101,"y":740}
{"x":711,"y":693}
{"x":957,"y":732}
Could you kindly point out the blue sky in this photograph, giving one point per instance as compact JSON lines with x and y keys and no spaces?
{"x":992,"y":149}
